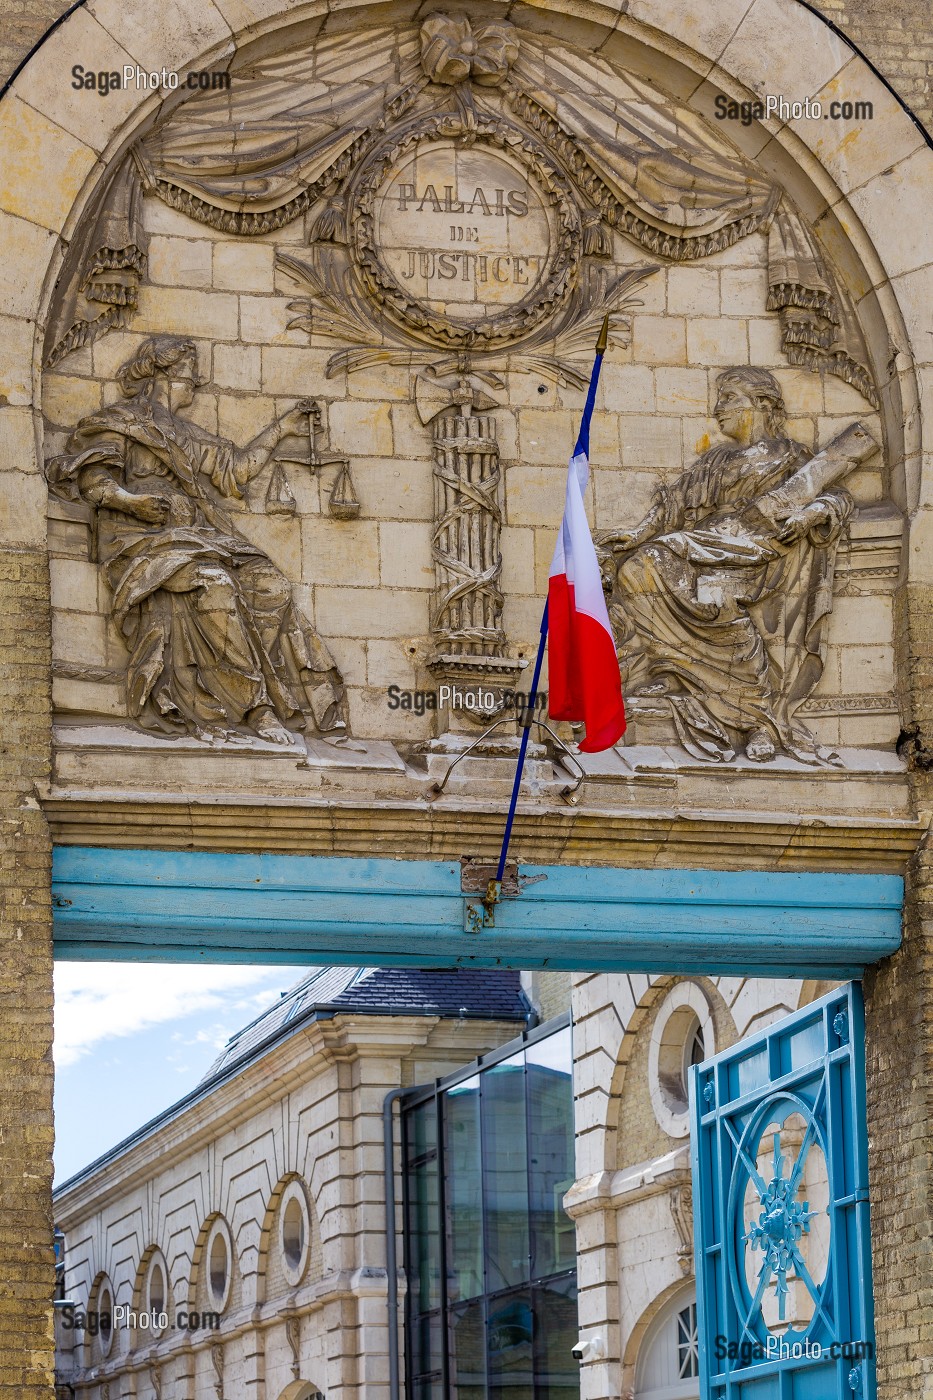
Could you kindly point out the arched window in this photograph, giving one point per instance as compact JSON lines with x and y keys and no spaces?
{"x":668,"y":1360}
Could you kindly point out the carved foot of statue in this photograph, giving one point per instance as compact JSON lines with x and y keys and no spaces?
{"x":758,"y":746}
{"x":268,"y":727}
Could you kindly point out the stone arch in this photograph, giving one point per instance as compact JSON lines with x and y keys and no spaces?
{"x":741,"y":51}
{"x":300,"y":1390}
{"x":669,"y":1296}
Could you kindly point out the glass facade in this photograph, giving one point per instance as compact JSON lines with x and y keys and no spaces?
{"x":490,"y":1253}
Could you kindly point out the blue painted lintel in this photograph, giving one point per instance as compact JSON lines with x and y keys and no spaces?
{"x":190,"y":906}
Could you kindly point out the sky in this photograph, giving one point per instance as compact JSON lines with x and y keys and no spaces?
{"x":132,"y":1038}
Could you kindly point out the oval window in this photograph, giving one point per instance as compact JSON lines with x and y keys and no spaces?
{"x":218,"y":1267}
{"x":156,"y":1289}
{"x":293,"y":1232}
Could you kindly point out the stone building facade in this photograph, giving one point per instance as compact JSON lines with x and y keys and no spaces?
{"x":371,"y":476}
{"x":279,"y":1152}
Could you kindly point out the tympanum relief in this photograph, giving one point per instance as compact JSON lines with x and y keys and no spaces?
{"x":443,"y":214}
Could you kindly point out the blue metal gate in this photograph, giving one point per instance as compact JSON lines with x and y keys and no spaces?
{"x":780,"y":1190}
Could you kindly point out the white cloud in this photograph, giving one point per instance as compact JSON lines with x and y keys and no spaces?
{"x":102,"y":1001}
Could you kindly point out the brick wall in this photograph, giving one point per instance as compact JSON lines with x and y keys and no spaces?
{"x":26,"y":1267}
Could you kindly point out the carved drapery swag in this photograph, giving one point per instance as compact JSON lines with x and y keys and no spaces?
{"x":288,"y":135}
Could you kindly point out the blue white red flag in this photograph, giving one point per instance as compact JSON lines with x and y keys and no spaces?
{"x":584,"y":684}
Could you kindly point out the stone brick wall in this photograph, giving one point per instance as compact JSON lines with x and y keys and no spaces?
{"x":26,"y":1266}
{"x":895,"y":35}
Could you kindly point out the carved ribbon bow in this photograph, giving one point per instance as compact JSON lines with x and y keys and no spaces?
{"x":453,"y":49}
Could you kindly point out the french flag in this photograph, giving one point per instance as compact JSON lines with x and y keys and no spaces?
{"x":584,"y":685}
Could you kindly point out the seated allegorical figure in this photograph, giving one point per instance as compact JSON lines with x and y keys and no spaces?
{"x":217,"y":643}
{"x":719,"y":611}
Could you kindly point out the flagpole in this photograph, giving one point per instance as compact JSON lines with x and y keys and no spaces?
{"x":494,"y":890}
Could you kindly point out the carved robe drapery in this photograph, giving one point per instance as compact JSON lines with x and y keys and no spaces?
{"x":210,"y":622}
{"x":718,"y":618}
{"x":288,"y":136}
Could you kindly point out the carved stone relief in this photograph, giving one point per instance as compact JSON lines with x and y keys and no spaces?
{"x":720,"y":595}
{"x":216,"y":641}
{"x":472,"y":199}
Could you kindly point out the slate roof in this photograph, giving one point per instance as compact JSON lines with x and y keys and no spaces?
{"x":491,"y":993}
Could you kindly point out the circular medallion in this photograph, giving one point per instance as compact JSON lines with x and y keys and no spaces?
{"x":466,"y":236}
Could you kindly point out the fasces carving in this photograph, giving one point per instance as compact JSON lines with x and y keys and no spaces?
{"x":216,"y":642}
{"x":719,"y":596}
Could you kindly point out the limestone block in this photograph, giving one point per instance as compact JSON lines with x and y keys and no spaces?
{"x":914,"y":292}
{"x":22,"y":509}
{"x":764,"y":341}
{"x":71,"y":696}
{"x":744,"y":291}
{"x":179,"y":262}
{"x":175,"y":35}
{"x":853,"y":150}
{"x":704,"y":30}
{"x":903,"y":242}
{"x":361,"y":428}
{"x":381,"y":382}
{"x":366,"y":612}
{"x":182,"y":311}
{"x":394,"y":662}
{"x":405,"y":559}
{"x":47,"y":85}
{"x":17,"y":439}
{"x":411,"y":437}
{"x":693,"y":291}
{"x":650,"y":442}
{"x":395,"y":490}
{"x":17,"y":339}
{"x":237,"y":367}
{"x":66,"y":400}
{"x":244,"y":266}
{"x":681,"y":390}
{"x":340,"y":551}
{"x":79,"y":637}
{"x":719,"y":342}
{"x":867,"y":669}
{"x":518,"y":561}
{"x":31,"y":142}
{"x":604,"y":440}
{"x":626,"y":388}
{"x":535,"y":495}
{"x":546,"y":435}
{"x":75,"y":585}
{"x":760,"y":53}
{"x":660,"y":340}
{"x":27,"y":250}
{"x":803,"y":391}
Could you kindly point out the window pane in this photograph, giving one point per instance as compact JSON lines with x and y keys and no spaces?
{"x":426,"y":1357}
{"x":505,"y":1174}
{"x":421,"y":1130}
{"x":550,"y":1152}
{"x":557,"y":1375}
{"x":463,"y":1186}
{"x":467,"y":1353}
{"x":510,"y":1359}
{"x":425,"y":1237}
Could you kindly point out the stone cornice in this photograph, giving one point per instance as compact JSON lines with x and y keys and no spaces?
{"x":640,"y":836}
